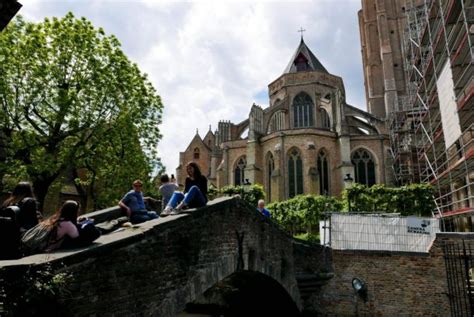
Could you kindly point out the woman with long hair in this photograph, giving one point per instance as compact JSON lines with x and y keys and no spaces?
{"x":23,"y":197}
{"x":64,"y":224}
{"x":195,"y":192}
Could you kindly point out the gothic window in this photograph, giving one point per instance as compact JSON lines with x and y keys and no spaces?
{"x":270,"y":169}
{"x":196,"y":154}
{"x":277,"y":122}
{"x":295,"y":173}
{"x":325,"y":122}
{"x":239,"y":171}
{"x":323,"y":171}
{"x":364,"y":166}
{"x":302,"y":111}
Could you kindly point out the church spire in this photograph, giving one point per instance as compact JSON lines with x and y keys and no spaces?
{"x":304,"y":60}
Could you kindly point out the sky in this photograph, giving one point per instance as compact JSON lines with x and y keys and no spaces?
{"x":211,"y":60}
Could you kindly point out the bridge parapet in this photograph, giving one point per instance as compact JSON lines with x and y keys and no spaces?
{"x":159,"y":266}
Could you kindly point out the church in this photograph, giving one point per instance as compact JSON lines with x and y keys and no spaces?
{"x":308,"y":141}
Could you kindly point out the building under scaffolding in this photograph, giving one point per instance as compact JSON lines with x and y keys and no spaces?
{"x":432,"y":130}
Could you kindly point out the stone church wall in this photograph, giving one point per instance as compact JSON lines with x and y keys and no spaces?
{"x":204,"y":160}
{"x":377,"y":147}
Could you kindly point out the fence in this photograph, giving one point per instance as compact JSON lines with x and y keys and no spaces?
{"x":384,"y":232}
{"x":459,"y":260}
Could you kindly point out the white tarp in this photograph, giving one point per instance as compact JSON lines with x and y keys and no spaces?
{"x":379,"y":232}
{"x":448,"y":106}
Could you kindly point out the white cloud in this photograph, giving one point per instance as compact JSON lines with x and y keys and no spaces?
{"x":209,"y":59}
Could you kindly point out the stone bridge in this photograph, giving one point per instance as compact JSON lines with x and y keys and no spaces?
{"x":225,"y":259}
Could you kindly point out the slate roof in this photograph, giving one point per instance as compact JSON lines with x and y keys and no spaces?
{"x":313,"y":62}
{"x":8,"y":9}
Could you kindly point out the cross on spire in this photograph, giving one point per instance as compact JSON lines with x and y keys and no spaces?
{"x":301,"y":30}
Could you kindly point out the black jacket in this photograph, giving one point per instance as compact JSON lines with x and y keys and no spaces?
{"x":201,"y":183}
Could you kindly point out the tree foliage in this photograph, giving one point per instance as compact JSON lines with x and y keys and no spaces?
{"x":301,"y":214}
{"x":251,"y":194}
{"x":71,"y":100}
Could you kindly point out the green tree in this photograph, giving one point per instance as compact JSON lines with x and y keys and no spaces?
{"x":71,"y":99}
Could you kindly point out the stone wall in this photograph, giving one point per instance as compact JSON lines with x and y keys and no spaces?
{"x":161,"y":265}
{"x":398,"y":284}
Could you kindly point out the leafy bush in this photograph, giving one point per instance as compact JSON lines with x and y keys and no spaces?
{"x":414,"y":199}
{"x":302,"y":214}
{"x":251,"y":194}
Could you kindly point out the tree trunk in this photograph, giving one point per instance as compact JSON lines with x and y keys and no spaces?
{"x":41,"y":186}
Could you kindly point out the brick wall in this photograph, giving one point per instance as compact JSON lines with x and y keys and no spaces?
{"x":399,"y":284}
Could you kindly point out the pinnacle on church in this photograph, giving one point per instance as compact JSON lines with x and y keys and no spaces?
{"x":304,"y":60}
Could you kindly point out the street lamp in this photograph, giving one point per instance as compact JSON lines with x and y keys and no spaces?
{"x":348,"y":183}
{"x":348,"y":179}
{"x":360,"y":287}
{"x":247,"y":185}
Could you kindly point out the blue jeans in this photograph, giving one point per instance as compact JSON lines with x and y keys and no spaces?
{"x":142,"y":216}
{"x":193,"y":198}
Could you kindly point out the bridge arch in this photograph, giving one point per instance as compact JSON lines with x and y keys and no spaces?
{"x":244,"y":293}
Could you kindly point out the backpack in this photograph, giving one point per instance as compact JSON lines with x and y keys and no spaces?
{"x":88,"y":232}
{"x":9,"y":233}
{"x":37,"y":239}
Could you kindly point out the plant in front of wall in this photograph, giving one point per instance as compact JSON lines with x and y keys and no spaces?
{"x":37,"y":292}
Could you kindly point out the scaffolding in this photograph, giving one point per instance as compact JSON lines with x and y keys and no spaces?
{"x":432,"y":134}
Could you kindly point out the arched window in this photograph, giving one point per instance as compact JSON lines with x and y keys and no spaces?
{"x":239,"y":171}
{"x":323,"y":171}
{"x":325,"y":121}
{"x":364,"y":166}
{"x":196,"y":154}
{"x":302,"y":111}
{"x":277,"y":122}
{"x":269,"y":172}
{"x":295,"y":173}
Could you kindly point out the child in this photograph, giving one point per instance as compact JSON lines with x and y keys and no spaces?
{"x":166,"y":189}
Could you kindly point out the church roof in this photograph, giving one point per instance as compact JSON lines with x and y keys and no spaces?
{"x":304,"y":53}
{"x":8,"y":9}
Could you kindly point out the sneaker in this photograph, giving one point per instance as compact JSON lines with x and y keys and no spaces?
{"x":166,"y":212}
{"x":175,"y":212}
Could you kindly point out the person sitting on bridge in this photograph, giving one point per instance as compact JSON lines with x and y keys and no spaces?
{"x":195,"y":192}
{"x":18,"y":213}
{"x":23,"y":197}
{"x":63,"y":225}
{"x":262,"y":209}
{"x":134,"y":204}
{"x":166,"y":190}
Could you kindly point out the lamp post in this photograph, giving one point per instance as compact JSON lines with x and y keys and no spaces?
{"x":244,"y":188}
{"x":348,"y":183}
{"x":360,"y":287}
{"x":247,"y":185}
